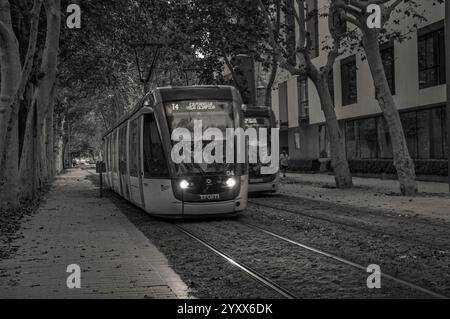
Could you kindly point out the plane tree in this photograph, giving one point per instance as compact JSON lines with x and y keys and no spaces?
{"x":298,"y":60}
{"x":362,"y":17}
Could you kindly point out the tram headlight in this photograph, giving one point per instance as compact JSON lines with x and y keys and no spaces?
{"x":231,"y":182}
{"x":184,"y":184}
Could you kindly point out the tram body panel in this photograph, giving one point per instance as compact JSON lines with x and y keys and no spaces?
{"x":236,"y":205}
{"x":135,"y":191}
{"x":115,"y":182}
{"x":159,"y":198}
{"x":258,"y":185}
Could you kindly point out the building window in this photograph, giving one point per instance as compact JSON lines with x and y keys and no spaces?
{"x":383,"y":139}
{"x":409,"y":123}
{"x":352,"y":140}
{"x":303,"y":102}
{"x":297,"y":140}
{"x":388,"y":57}
{"x":324,"y":142}
{"x":283,"y":104}
{"x":349,"y":81}
{"x":368,"y":138}
{"x":431,"y":51}
{"x":425,"y":133}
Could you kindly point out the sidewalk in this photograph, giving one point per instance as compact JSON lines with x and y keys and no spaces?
{"x":432,"y":202}
{"x":74,"y":226}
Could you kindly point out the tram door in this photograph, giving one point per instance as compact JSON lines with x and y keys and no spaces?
{"x":157,"y":186}
{"x":134,"y":147}
{"x":123,"y":163}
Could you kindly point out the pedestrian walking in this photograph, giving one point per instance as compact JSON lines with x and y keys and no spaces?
{"x":284,"y":162}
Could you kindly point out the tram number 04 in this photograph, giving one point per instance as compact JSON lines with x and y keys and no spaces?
{"x":246,"y":308}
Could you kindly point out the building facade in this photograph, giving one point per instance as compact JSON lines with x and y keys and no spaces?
{"x":415,"y":69}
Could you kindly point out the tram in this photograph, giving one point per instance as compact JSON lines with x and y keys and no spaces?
{"x":260,"y":117}
{"x":139,"y":160}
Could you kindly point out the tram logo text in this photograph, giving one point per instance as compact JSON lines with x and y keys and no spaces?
{"x":208,"y":146}
{"x":210,"y":197}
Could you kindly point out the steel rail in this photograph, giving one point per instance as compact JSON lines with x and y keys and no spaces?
{"x":351,"y":225}
{"x":252,"y":273}
{"x":345,"y":261}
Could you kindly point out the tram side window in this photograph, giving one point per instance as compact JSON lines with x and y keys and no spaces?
{"x":114,"y":149}
{"x":110,"y":153}
{"x":123,"y":150}
{"x":155,"y":164}
{"x":106,"y":141}
{"x":134,"y":148}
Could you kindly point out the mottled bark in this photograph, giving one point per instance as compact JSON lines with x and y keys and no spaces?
{"x":305,"y":67}
{"x":45,"y":93}
{"x":339,"y":161}
{"x":59,"y":146}
{"x":27,"y":170}
{"x":10,"y":78}
{"x":402,"y":159}
{"x":272,"y":78}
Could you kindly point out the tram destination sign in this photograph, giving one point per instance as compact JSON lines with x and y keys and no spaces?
{"x":197,"y":106}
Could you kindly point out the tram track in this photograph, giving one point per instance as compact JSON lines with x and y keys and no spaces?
{"x":344,"y":261}
{"x":264,"y":278}
{"x":283,"y":291}
{"x":367,"y":211}
{"x":351,"y":225}
{"x":249,"y":271}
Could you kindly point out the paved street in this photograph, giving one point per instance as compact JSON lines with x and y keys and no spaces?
{"x":380,"y":194}
{"x":74,"y":226}
{"x":125,"y":253}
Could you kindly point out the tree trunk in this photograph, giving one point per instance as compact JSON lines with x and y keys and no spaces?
{"x":27,"y":170}
{"x":45,"y":88}
{"x":49,"y":143}
{"x":402,"y":160}
{"x":339,"y":161}
{"x":10,"y":78}
{"x":273,"y":75}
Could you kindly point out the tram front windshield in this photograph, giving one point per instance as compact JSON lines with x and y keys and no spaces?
{"x":212,"y":114}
